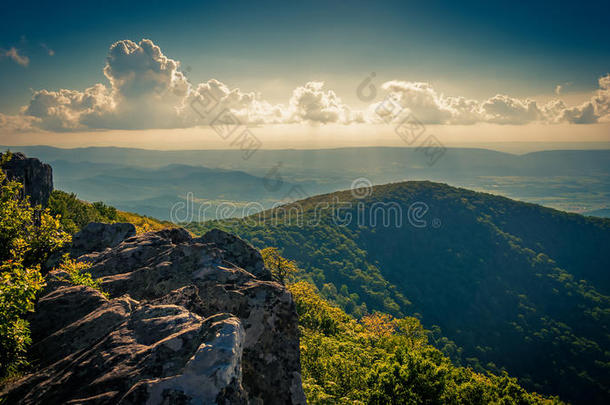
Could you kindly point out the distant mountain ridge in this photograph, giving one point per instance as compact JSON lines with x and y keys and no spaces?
{"x":563,"y":160}
{"x":570,"y":180}
{"x":515,"y":285}
{"x":603,"y":213}
{"x":154,"y":191}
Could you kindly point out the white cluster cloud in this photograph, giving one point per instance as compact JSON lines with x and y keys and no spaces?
{"x":597,"y":109}
{"x":421,"y":100}
{"x":204,"y":103}
{"x":310,"y":103}
{"x":145,"y":91}
{"x":136,"y":70}
{"x":14,"y":55}
{"x":70,"y":109}
{"x":601,"y":101}
{"x":148,"y":90}
{"x":502,"y":109}
{"x":17,"y":123}
{"x":431,"y":107}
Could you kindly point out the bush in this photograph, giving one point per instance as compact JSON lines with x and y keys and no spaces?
{"x":77,"y":275}
{"x":18,"y":289}
{"x":28,"y":235}
{"x":282,"y":269}
{"x":75,"y":214}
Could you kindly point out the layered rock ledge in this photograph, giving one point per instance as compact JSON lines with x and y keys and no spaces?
{"x":188,"y":321}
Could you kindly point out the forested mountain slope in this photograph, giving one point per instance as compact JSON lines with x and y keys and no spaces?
{"x":517,"y":286}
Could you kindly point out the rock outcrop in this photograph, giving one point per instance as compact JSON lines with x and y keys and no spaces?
{"x":36,"y":177}
{"x":96,"y":237}
{"x":188,"y":321}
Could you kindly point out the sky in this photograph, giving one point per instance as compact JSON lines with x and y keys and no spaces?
{"x":304,"y":75}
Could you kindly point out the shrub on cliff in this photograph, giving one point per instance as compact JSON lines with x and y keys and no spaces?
{"x":28,"y":235}
{"x":75,"y":214}
{"x":76,"y":274}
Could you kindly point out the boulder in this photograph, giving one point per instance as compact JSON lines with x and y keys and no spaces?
{"x":188,"y":321}
{"x":97,"y":236}
{"x":238,"y":252}
{"x":94,"y":237}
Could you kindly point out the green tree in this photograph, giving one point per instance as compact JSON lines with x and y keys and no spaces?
{"x":28,"y":235}
{"x":282,"y":269}
{"x":75,"y":214}
{"x":386,"y":360}
{"x":105,"y":211}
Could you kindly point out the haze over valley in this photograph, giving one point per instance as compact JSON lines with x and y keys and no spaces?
{"x":151,"y":182}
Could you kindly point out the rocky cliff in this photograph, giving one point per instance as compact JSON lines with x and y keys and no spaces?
{"x":188,"y":321}
{"x":36,"y":177}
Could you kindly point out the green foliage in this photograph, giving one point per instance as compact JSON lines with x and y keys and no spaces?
{"x":75,"y":214}
{"x":282,"y":269}
{"x":28,"y":236}
{"x":142,"y":222}
{"x":18,"y":289}
{"x":317,"y":314}
{"x":385,"y":360}
{"x":512,"y":286}
{"x":77,"y":275}
{"x":106,"y":211}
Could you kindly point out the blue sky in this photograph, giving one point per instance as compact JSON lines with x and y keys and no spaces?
{"x":469,"y":49}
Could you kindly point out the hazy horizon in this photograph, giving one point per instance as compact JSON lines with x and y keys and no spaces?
{"x":515,"y":148}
